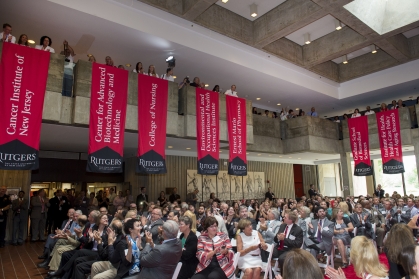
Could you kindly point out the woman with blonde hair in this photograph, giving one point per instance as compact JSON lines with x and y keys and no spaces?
{"x":192,"y":216}
{"x":298,"y":264}
{"x":365,"y":260}
{"x":345,"y":209}
{"x":343,"y":226}
{"x":399,"y":236}
{"x":152,"y":71}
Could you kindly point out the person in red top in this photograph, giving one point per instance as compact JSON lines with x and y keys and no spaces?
{"x":383,"y":107}
{"x":215,"y":253}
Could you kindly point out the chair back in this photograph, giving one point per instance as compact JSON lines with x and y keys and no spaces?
{"x":177,"y":270}
{"x":236,"y":260}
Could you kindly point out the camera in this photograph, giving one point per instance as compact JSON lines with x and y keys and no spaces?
{"x":187,"y":80}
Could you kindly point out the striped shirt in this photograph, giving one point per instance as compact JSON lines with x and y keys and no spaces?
{"x":206,"y":245}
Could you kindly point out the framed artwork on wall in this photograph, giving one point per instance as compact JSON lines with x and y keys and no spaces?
{"x":223,"y":186}
{"x":209,"y":185}
{"x":259,"y":183}
{"x":236,"y":183}
{"x":249,"y":190}
{"x":194,"y":181}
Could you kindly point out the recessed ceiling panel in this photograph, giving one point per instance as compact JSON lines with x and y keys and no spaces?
{"x":242,"y":7}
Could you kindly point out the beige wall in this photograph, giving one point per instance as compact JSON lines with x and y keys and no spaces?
{"x":330,"y":171}
{"x":280,"y":175}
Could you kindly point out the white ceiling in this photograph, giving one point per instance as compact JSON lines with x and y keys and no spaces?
{"x":356,"y":53}
{"x":316,"y":29}
{"x":242,"y":7}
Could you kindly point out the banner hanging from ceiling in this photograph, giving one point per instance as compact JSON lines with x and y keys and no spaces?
{"x":108,"y":106}
{"x":207,"y":131}
{"x":359,"y":140}
{"x":23,"y":79}
{"x":388,"y":123}
{"x":152,"y":121}
{"x":236,"y":126}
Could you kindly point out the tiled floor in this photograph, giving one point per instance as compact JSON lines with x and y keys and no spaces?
{"x":20,"y":261}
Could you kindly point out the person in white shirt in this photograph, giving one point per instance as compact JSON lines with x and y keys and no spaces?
{"x":139,"y":68}
{"x":232,"y":91}
{"x":68,"y":70}
{"x":168,"y":75}
{"x":23,"y":40}
{"x":336,"y":119}
{"x":356,"y":113}
{"x":393,"y":104}
{"x":45,"y":44}
{"x":369,"y":111}
{"x":6,"y":35}
{"x":152,"y":71}
{"x":108,"y":61}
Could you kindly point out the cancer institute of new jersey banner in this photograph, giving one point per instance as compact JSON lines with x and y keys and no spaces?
{"x":207,"y":131}
{"x":152,"y":120}
{"x":359,"y":139}
{"x":23,"y":79}
{"x":236,"y":125}
{"x":108,"y":106}
{"x":390,"y":142}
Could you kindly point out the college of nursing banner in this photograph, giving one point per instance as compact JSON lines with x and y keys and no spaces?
{"x":390,"y":141}
{"x":152,"y":120}
{"x":108,"y":106}
{"x":23,"y":79}
{"x":236,"y":126}
{"x":359,"y":139}
{"x":207,"y":131}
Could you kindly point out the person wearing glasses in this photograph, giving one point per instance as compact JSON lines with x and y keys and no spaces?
{"x":153,"y":225}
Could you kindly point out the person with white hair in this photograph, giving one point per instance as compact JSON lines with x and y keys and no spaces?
{"x":160,"y":261}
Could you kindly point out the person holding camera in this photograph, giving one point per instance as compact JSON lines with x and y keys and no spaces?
{"x":196,"y":82}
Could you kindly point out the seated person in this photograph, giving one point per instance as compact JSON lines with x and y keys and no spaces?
{"x":268,"y":229}
{"x":360,"y":220}
{"x":152,"y":225}
{"x":320,"y":233}
{"x":215,"y":253}
{"x":249,"y":242}
{"x":298,"y":263}
{"x":160,"y":261}
{"x":342,"y":229}
{"x":289,"y":236}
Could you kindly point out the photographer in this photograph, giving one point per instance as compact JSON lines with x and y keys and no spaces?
{"x":184,"y":82}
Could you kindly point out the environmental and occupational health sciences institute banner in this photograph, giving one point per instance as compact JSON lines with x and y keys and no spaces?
{"x":359,"y":140}
{"x":23,"y":79}
{"x":152,"y":120}
{"x":108,"y":106}
{"x":390,"y":141}
{"x":207,"y":131}
{"x":236,"y":126}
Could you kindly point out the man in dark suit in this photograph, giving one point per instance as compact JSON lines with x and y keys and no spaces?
{"x":377,"y":218}
{"x":142,"y":197}
{"x":20,"y":218}
{"x":312,"y":192}
{"x":160,"y":261}
{"x":289,"y":236}
{"x":361,"y":221}
{"x":379,"y":193}
{"x":82,"y":203}
{"x":39,"y":206}
{"x":269,"y":194}
{"x":58,"y":208}
{"x":174,"y":197}
{"x":390,"y":215}
{"x":153,"y":225}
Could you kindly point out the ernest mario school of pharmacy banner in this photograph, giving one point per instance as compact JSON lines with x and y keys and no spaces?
{"x":152,"y":120}
{"x":207,"y":131}
{"x":108,"y":106}
{"x":236,"y":126}
{"x":359,"y":139}
{"x":23,"y":79}
{"x":390,"y":141}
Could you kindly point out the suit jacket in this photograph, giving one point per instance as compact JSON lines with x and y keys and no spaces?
{"x":82,"y":204}
{"x":379,"y":193}
{"x":116,"y":256}
{"x":23,"y":207}
{"x":312,"y":192}
{"x":161,"y":261}
{"x":55,"y":207}
{"x":269,"y":195}
{"x":141,"y":198}
{"x":154,"y":229}
{"x":393,"y":220}
{"x":189,"y":259}
{"x":327,"y":234}
{"x":375,"y":216}
{"x":289,"y":243}
{"x":362,"y":229}
{"x":271,"y":232}
{"x":37,"y":207}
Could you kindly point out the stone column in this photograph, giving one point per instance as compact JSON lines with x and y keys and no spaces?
{"x":345,"y":164}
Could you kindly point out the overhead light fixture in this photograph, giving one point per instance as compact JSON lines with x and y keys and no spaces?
{"x":188,"y":148}
{"x":171,"y":61}
{"x":307,"y":38}
{"x":128,"y":65}
{"x":373,"y":49}
{"x":89,"y":55}
{"x":257,"y":99}
{"x":290,"y":157}
{"x":259,"y":154}
{"x":174,"y":76}
{"x":253,"y":10}
{"x":206,"y":85}
{"x":247,"y":153}
{"x":170,"y":146}
{"x":345,"y":59}
{"x":278,"y":104}
{"x":338,"y":24}
{"x":280,"y":156}
{"x":224,"y":1}
{"x":31,"y":41}
{"x":297,"y":109}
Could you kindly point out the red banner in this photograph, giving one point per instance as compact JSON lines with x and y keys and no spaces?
{"x":359,"y":139}
{"x":108,"y":107}
{"x":152,"y":120}
{"x":23,"y":79}
{"x":207,"y":131}
{"x":236,"y":126}
{"x":388,"y":123}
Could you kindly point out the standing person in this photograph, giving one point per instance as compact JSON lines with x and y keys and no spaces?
{"x":168,"y":75}
{"x":189,"y":248}
{"x":82,"y":203}
{"x":162,"y":199}
{"x":152,"y":71}
{"x":70,"y":197}
{"x":128,"y":198}
{"x":68,"y":70}
{"x":142,"y":198}
{"x":269,"y":195}
{"x":174,"y":197}
{"x":313,"y":112}
{"x":20,"y":218}
{"x":379,"y":193}
{"x":312,"y":192}
{"x":58,"y":209}
{"x":45,"y":44}
{"x":232,"y":91}
{"x":4,"y":210}
{"x":6,"y":35}
{"x":118,"y":201}
{"x":39,"y":206}
{"x":191,"y":198}
{"x":112,"y":196}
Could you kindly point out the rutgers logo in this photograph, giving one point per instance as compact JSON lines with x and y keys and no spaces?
{"x":17,"y":157}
